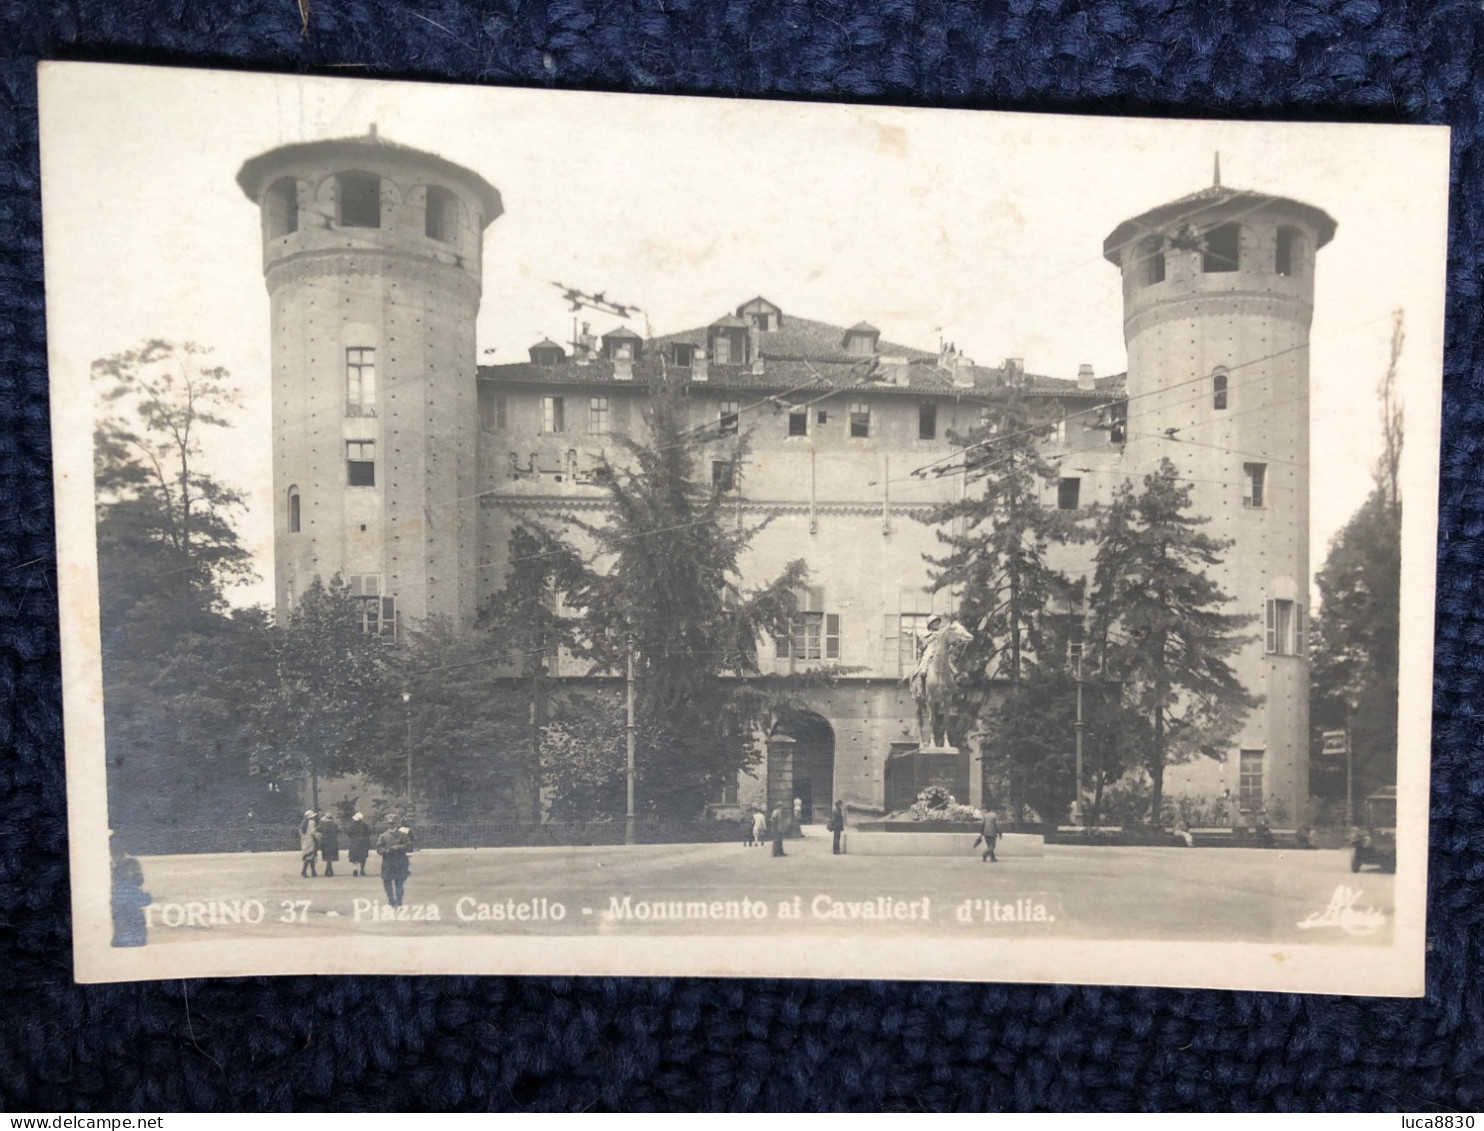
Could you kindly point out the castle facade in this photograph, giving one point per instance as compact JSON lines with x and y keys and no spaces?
{"x":403,"y":465}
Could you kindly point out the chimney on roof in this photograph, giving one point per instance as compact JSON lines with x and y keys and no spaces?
{"x":754,"y":344}
{"x":1085,"y":379}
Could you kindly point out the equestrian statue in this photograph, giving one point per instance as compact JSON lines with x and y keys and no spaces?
{"x":935,"y":681}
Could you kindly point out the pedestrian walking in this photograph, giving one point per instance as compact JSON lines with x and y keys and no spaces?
{"x":358,"y":844}
{"x":329,"y":842}
{"x":393,"y":846}
{"x":759,"y":827}
{"x":308,"y":844}
{"x":798,"y":811}
{"x":837,"y":825}
{"x":989,"y":832}
{"x":779,"y":822}
{"x":747,"y":837}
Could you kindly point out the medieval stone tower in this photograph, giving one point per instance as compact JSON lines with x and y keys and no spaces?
{"x":1218,"y":296}
{"x":372,"y":254}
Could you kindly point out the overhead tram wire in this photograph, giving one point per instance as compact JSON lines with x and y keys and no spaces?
{"x":919,"y":472}
{"x":1183,"y":217}
{"x":989,"y":441}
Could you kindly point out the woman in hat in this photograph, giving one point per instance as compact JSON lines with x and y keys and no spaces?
{"x":308,"y":844}
{"x":358,"y":844}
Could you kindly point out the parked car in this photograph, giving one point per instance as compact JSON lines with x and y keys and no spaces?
{"x":1375,"y":839}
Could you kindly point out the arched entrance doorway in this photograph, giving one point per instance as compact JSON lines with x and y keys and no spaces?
{"x":811,"y":776}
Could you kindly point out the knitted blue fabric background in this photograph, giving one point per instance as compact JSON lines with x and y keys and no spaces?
{"x":562,"y":1043}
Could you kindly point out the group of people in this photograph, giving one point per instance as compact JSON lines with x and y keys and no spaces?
{"x":319,"y":839}
{"x":758,"y":826}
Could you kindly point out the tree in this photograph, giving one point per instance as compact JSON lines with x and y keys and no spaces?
{"x":1357,"y":634}
{"x":996,"y":538}
{"x":671,"y":595}
{"x":523,"y":622}
{"x":321,"y":708}
{"x":165,"y":525}
{"x":462,"y":732}
{"x":173,"y":660}
{"x":1157,"y":624}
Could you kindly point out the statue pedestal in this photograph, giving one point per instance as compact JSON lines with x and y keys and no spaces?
{"x":911,"y":768}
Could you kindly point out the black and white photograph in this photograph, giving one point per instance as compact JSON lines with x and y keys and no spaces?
{"x":515,"y":531}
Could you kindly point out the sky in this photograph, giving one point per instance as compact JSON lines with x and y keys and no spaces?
{"x":978,"y":228}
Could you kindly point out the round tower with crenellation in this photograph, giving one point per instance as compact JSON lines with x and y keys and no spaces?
{"x":372,"y":254}
{"x":1218,"y":295}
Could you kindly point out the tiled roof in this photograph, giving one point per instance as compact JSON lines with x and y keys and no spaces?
{"x":1212,"y":204}
{"x":800,"y":339}
{"x":256,"y":170}
{"x":806,"y":355}
{"x":783,"y":376}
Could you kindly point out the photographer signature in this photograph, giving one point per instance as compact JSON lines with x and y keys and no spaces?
{"x":1343,"y":913}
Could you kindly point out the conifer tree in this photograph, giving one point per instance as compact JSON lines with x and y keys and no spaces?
{"x":667,"y":586}
{"x":1158,"y":627}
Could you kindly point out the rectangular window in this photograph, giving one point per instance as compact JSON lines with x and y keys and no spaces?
{"x":728,"y":418}
{"x":822,"y":417}
{"x":1067,"y":492}
{"x":597,"y":416}
{"x":1117,"y":422}
{"x":360,"y":463}
{"x":1249,"y":780}
{"x":1151,"y":255}
{"x":360,"y":199}
{"x":360,"y":381}
{"x":1223,"y":248}
{"x":553,"y":414}
{"x":491,"y":410}
{"x":1286,"y":632}
{"x":1285,"y":259}
{"x":811,"y":636}
{"x":860,"y":419}
{"x":378,"y":616}
{"x":723,"y":475}
{"x":440,"y":215}
{"x":684,"y":355}
{"x":1254,"y":486}
{"x":812,"y":633}
{"x":911,"y":627}
{"x":927,"y":421}
{"x":721,"y":349}
{"x":798,"y":422}
{"x":1218,"y":392}
{"x":364,"y":584}
{"x":1059,"y":427}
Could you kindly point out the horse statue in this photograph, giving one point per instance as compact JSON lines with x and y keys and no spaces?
{"x":935,"y":681}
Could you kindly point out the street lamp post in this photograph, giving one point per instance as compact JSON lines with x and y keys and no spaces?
{"x":1077,"y":728}
{"x":629,"y":729}
{"x":407,"y":714}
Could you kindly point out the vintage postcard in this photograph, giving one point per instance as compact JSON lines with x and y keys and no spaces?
{"x":507,"y":531}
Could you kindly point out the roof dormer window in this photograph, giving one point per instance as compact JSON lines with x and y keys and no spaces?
{"x":622,"y":345}
{"x":761,"y":313}
{"x":726,"y":340}
{"x":860,"y":340}
{"x":546,"y":354}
